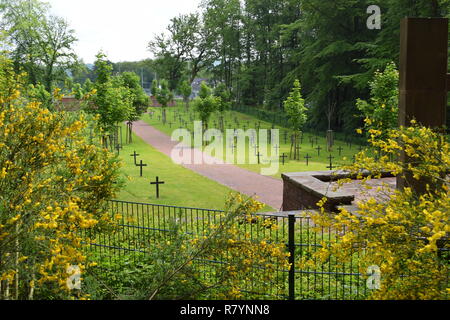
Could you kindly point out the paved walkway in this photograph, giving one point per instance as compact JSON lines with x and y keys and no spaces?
{"x":269,"y":190}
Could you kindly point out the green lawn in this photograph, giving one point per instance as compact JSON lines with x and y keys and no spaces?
{"x":316,"y":162}
{"x":182,"y":187}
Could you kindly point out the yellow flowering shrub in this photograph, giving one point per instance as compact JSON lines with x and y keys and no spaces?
{"x":252,"y":255}
{"x":53,"y":185}
{"x":403,"y":232}
{"x":226,"y":255}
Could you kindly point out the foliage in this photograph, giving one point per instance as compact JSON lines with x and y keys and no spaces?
{"x":295,"y":108}
{"x":42,"y":44}
{"x":205,"y":104}
{"x":143,"y":68}
{"x":381,"y":112}
{"x":172,"y":268}
{"x":401,"y":231}
{"x":187,"y":40}
{"x":88,"y":86}
{"x":54,"y":186}
{"x":39,"y":94}
{"x":78,"y":91}
{"x":257,"y":48}
{"x":224,"y":102}
{"x":164,"y":95}
{"x":111,"y":99}
{"x":154,"y":89}
{"x":140,"y":100}
{"x":186,"y":91}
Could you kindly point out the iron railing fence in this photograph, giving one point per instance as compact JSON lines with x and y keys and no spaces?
{"x":144,"y":224}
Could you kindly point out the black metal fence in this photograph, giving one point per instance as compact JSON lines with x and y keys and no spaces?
{"x":142,"y":223}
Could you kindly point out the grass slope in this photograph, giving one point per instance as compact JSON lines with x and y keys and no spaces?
{"x":182,"y":187}
{"x":319,"y":160}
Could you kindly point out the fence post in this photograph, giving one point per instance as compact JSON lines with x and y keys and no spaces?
{"x":291,"y":247}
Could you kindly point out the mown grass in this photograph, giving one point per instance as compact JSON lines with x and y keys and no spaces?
{"x":182,"y":187}
{"x":319,"y":160}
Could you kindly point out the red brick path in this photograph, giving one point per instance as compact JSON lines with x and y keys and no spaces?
{"x":269,"y":190}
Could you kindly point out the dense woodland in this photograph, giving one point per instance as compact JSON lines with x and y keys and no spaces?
{"x":257,"y":48}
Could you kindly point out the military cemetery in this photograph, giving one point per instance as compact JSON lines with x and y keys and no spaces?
{"x":261,"y":151}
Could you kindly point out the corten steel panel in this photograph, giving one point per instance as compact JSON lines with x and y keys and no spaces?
{"x":423,"y":78}
{"x":423,"y":71}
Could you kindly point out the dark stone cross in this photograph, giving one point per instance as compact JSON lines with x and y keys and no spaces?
{"x":331,"y":167}
{"x":318,"y":150}
{"x":277,"y":148}
{"x":118,"y":147}
{"x":232,"y":147}
{"x":259,"y":157}
{"x":157,"y":183}
{"x":134,"y":155}
{"x":141,"y":165}
{"x":307,"y":159}
{"x":256,"y":147}
{"x":283,"y":158}
{"x":170,"y":124}
{"x":298,"y":148}
{"x":340,"y":150}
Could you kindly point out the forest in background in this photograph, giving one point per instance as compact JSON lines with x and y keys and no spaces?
{"x":257,"y":48}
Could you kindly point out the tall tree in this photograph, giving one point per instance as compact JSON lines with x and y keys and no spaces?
{"x":295,"y":108}
{"x":223,"y":96}
{"x":205,"y":104}
{"x":112,"y":100}
{"x":42,"y":44}
{"x":139,"y":98}
{"x":164,"y":95}
{"x":186,"y":91}
{"x":185,"y":48}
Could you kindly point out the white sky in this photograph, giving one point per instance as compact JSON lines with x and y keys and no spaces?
{"x":121,"y":28}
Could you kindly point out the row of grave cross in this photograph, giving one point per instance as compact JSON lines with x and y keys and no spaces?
{"x":283,"y":157}
{"x":308,"y":157}
{"x":141,"y":165}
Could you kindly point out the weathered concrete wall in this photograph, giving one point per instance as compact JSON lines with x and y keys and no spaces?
{"x":303,"y":190}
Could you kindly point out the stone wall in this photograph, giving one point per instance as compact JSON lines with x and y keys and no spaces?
{"x":303,"y":190}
